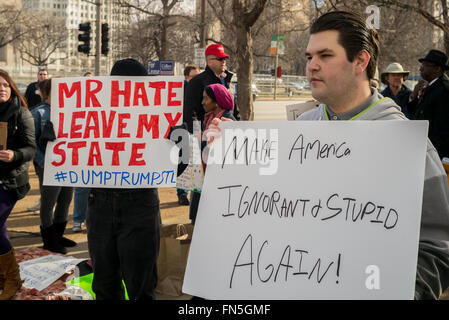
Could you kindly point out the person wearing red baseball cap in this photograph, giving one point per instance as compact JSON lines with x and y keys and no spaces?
{"x":215,"y":72}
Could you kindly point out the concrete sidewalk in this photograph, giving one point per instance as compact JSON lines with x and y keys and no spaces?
{"x":24,"y":231}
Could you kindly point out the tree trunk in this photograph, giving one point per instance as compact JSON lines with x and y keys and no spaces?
{"x":163,"y":40}
{"x":245,"y":72}
{"x":446,"y":43}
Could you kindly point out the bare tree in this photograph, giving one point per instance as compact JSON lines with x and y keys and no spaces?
{"x":160,"y":17}
{"x":244,"y":14}
{"x":138,"y":41}
{"x":434,"y":12}
{"x":43,"y":40}
{"x":10,"y":22}
{"x":403,"y":36}
{"x":141,"y":40}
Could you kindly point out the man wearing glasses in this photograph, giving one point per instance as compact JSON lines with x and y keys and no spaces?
{"x":32,"y":93}
{"x":430,"y":99}
{"x":215,"y":72}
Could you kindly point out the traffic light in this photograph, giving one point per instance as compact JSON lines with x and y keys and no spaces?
{"x":84,"y":37}
{"x":104,"y":38}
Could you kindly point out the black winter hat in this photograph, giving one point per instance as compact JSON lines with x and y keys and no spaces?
{"x":128,"y":67}
{"x":437,"y":57}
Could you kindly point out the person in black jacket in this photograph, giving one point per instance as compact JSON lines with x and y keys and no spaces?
{"x":215,"y":72}
{"x":430,"y":99}
{"x":32,"y":92}
{"x":20,"y":148}
{"x":123,"y":230}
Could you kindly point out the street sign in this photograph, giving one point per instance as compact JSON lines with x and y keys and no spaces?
{"x":199,"y":57}
{"x":154,"y":68}
{"x":163,"y":68}
{"x":167,"y":68}
{"x":277,"y":44}
{"x":281,"y":45}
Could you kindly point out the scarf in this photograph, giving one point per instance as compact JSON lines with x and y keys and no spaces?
{"x":7,"y":110}
{"x":208,"y":117}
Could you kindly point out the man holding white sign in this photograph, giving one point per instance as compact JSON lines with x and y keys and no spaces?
{"x":342,"y":87}
{"x":342,"y":56}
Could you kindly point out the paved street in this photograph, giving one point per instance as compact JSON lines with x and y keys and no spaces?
{"x":266,"y":110}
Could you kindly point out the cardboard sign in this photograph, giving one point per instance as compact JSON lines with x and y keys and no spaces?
{"x":3,"y":135}
{"x":310,"y":210}
{"x":111,"y":132}
{"x":297,"y":109}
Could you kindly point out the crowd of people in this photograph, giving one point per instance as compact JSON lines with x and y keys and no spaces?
{"x":123,"y":225}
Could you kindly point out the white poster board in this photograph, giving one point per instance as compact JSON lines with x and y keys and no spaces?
{"x":111,"y":131}
{"x":322,"y":210}
{"x":41,"y":272}
{"x":297,"y":109}
{"x":193,"y":176}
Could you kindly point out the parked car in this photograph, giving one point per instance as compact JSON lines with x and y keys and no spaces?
{"x":233,"y":88}
{"x":22,"y":88}
{"x":295,"y":87}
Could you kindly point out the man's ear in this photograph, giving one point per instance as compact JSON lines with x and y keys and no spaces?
{"x":361,"y":61}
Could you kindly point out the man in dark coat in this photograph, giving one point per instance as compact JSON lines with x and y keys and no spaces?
{"x":215,"y":72}
{"x":31,"y":94}
{"x":394,"y":77}
{"x":430,"y":99}
{"x":123,"y":231}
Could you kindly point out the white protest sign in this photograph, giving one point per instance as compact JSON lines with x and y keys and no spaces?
{"x":111,"y":131}
{"x":310,"y":210}
{"x":193,"y":175}
{"x":39,"y":273}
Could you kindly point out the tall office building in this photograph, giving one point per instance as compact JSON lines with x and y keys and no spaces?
{"x":67,"y":60}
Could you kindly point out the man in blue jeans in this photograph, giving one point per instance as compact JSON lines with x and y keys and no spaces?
{"x":123,"y":231}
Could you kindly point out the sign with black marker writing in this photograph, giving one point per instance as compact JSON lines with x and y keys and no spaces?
{"x":310,"y":210}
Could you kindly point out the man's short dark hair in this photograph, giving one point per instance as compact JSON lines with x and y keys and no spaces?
{"x":42,"y":69}
{"x":189,"y":68}
{"x":354,"y":36}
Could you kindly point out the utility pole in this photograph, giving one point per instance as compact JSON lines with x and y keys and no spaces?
{"x":203,"y":24}
{"x":98,"y":38}
{"x":97,"y":3}
{"x":276,"y":61}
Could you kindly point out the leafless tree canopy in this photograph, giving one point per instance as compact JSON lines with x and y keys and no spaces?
{"x":10,"y":25}
{"x":156,"y":28}
{"x":42,"y":41}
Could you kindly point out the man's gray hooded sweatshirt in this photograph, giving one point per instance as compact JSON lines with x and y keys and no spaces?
{"x":432,"y":275}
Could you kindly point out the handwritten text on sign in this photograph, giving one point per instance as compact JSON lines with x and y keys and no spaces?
{"x":336,"y":216}
{"x":111,"y":131}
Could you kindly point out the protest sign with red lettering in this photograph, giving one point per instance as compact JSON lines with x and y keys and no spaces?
{"x":111,"y":131}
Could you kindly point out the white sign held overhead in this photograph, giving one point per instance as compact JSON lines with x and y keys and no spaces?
{"x":310,"y":210}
